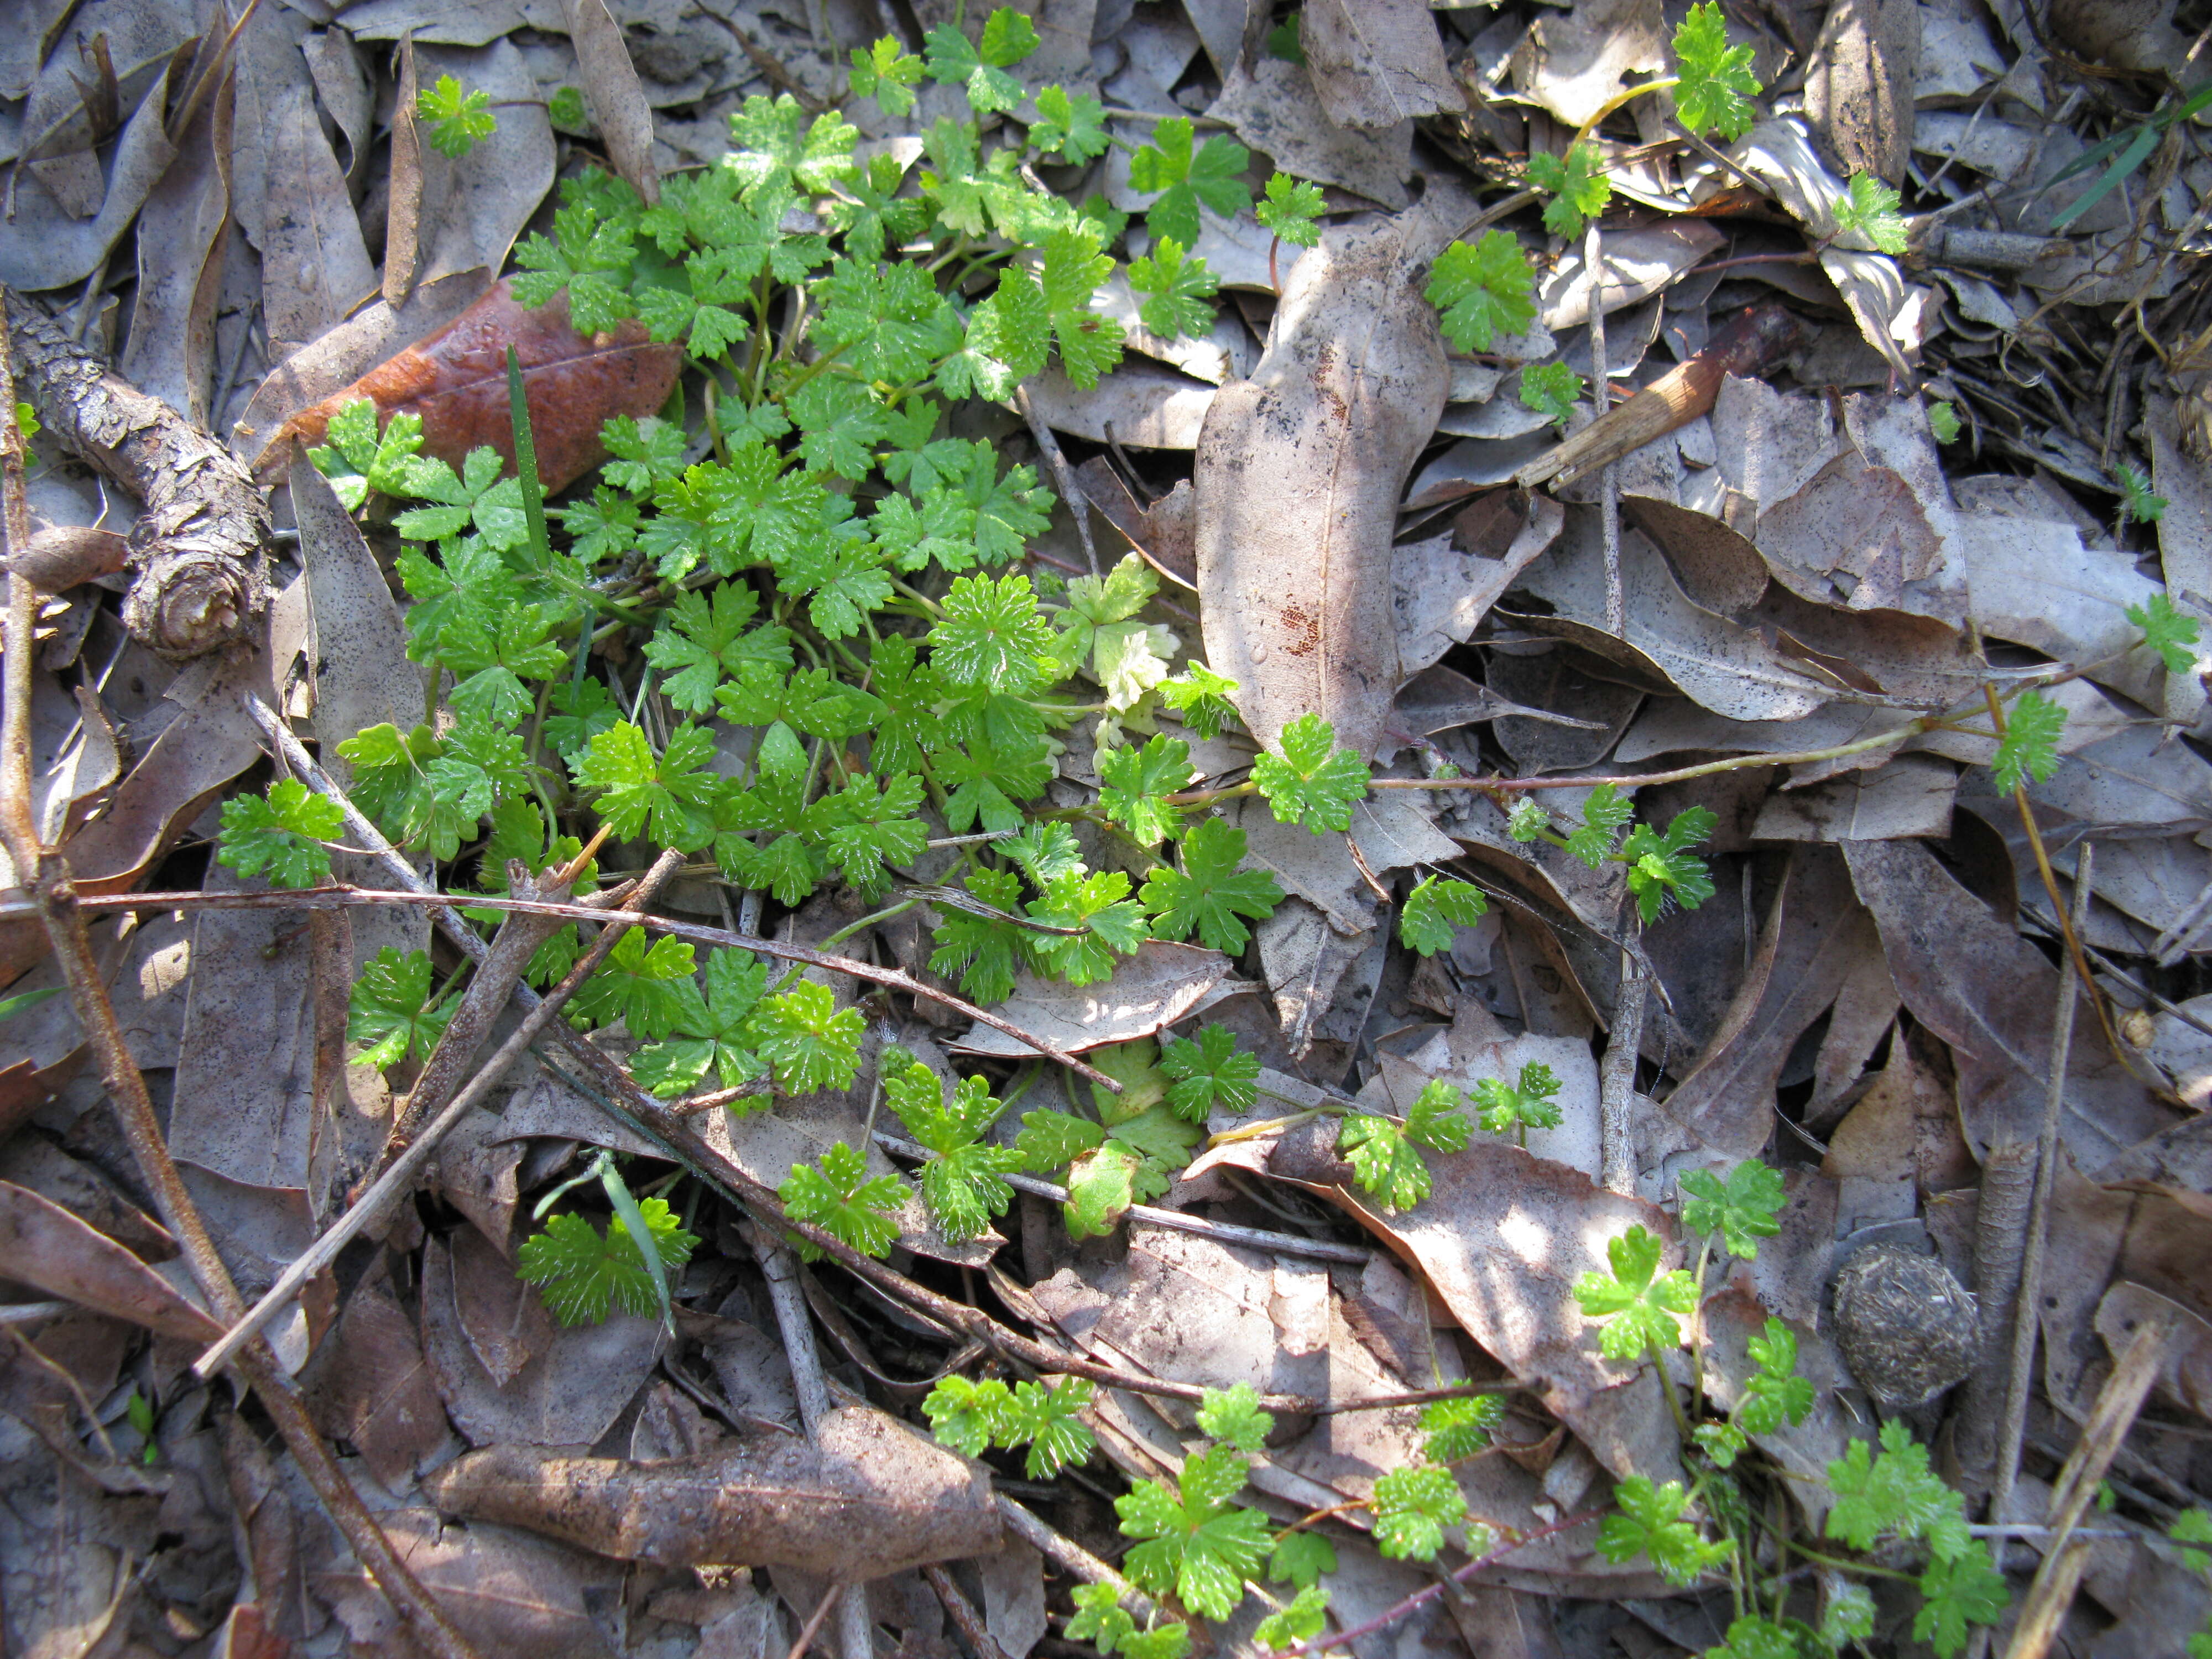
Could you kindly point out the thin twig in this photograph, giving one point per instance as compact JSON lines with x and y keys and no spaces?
{"x":1419,"y":1598}
{"x":1616,"y":610}
{"x":965,"y":1618}
{"x":807,"y":1631}
{"x":1616,"y":1079}
{"x":1256,"y":1238}
{"x":1079,"y":504}
{"x":371,"y":1205}
{"x":440,"y":904}
{"x":781,"y":1269}
{"x":2028,"y":1300}
{"x":1070,"y":1556}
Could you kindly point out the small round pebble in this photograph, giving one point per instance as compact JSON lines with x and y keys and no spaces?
{"x":1908,"y":1329}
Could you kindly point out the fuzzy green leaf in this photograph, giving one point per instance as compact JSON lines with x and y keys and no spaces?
{"x":1484,"y":291}
{"x":812,"y":1043}
{"x":1435,"y":908}
{"x":1714,"y":83}
{"x":1638,"y":1303}
{"x":1211,"y":1073}
{"x":584,"y":1274}
{"x":1291,"y":211}
{"x":1578,"y":187}
{"x":1742,"y":1211}
{"x":390,"y":1008}
{"x":278,"y":835}
{"x":2029,"y":749}
{"x":1650,"y":1521}
{"x":1411,"y":1509}
{"x":1453,"y":1429}
{"x":1312,"y":781}
{"x":1870,"y":210}
{"x":839,"y":1197}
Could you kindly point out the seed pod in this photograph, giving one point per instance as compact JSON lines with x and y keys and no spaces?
{"x":1908,"y":1330}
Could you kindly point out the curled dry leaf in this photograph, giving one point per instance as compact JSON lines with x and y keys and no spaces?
{"x":1299,"y":471}
{"x":456,"y":381}
{"x":867,"y":1498}
{"x":49,"y":1250}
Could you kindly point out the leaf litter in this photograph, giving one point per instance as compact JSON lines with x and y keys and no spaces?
{"x":1544,"y":889}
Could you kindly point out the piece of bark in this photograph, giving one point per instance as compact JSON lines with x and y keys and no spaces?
{"x":868,"y":1499}
{"x":1298,"y":475}
{"x":456,"y":380}
{"x":1748,"y":346}
{"x":199,"y":551}
{"x":1858,"y":89}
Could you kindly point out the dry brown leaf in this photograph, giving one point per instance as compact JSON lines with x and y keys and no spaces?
{"x":1299,"y":472}
{"x":456,"y":381}
{"x":48,"y":244}
{"x":368,"y":1383}
{"x":571,"y":1391}
{"x":1859,"y":85}
{"x":171,"y":345}
{"x":1272,"y":106}
{"x":1971,"y":978}
{"x":49,"y":1250}
{"x":1573,"y":62}
{"x":866,"y":1499}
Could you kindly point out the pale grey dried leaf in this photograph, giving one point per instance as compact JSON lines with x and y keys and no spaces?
{"x":1957,"y":59}
{"x":1638,"y":263}
{"x":474,"y":207}
{"x":1013,"y":1597}
{"x":1859,"y":85}
{"x":2184,"y":532}
{"x":171,"y":345}
{"x":1911,"y":796}
{"x":435,"y":22}
{"x":343,"y":87}
{"x":1318,"y":869}
{"x":244,"y":1107}
{"x":1722,"y":664}
{"x":1572,"y":63}
{"x":866,"y":1499}
{"x":52,"y":1251}
{"x":1223,"y":354}
{"x":1272,"y":106}
{"x":1153,"y":987}
{"x":1376,"y":62}
{"x":1299,"y":471}
{"x":611,"y":89}
{"x":505,"y":1590}
{"x":47,"y":245}
{"x":1853,"y":536}
{"x":1307,"y":962}
{"x":1141,"y":404}
{"x":292,"y":200}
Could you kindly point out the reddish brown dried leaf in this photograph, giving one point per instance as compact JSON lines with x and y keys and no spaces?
{"x":456,"y":381}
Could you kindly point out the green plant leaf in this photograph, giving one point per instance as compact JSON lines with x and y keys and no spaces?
{"x":2029,"y":749}
{"x":1895,"y":1495}
{"x":1186,"y":177}
{"x":1484,"y":291}
{"x":1047,"y":1421}
{"x":1869,"y":211}
{"x":1073,"y":128}
{"x":1649,"y":1523}
{"x":1943,"y":422}
{"x":1411,"y":1509}
{"x":1551,"y":389}
{"x":2167,"y":631}
{"x":457,"y":117}
{"x":1967,"y":1591}
{"x":1300,"y":1559}
{"x":1209,"y":893}
{"x":1578,"y":187}
{"x":812,"y":1043}
{"x":1743,"y":1209}
{"x":1210,"y":1073}
{"x":1197,"y":1545}
{"x":1714,"y":83}
{"x":1435,"y":907}
{"x":668,"y":796}
{"x":1133,"y":783}
{"x":279,"y":834}
{"x":1515,"y":1108}
{"x":888,"y":73}
{"x":1775,"y":1391}
{"x":1638,"y":1303}
{"x":1235,"y":1415}
{"x":1598,"y":838}
{"x":638,"y":984}
{"x":969,"y":1417}
{"x":1388,"y":1167}
{"x":1453,"y":1429}
{"x":838,"y":1197}
{"x":584,"y":1274}
{"x":1302,"y":1619}
{"x":1179,"y":291}
{"x":2138,"y":500}
{"x":1311,"y":782}
{"x":390,"y":1009}
{"x":1200,"y":697}
{"x":960,"y":1181}
{"x":1291,"y":211}
{"x":980,"y":70}
{"x":1663,"y":872}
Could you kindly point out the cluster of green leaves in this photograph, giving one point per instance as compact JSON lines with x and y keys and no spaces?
{"x":2191,"y":1529}
{"x":584,"y":1273}
{"x":973,"y":1417}
{"x":1662,"y":871}
{"x":1131,"y":1149}
{"x":281,"y":834}
{"x":963,"y":1179}
{"x":1895,"y":1497}
{"x":1384,"y":1152}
